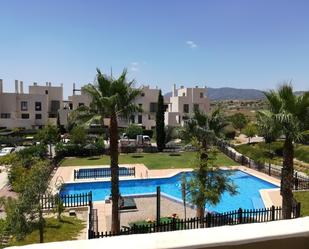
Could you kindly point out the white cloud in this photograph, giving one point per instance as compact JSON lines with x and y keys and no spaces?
{"x":191,"y":44}
{"x":134,"y":66}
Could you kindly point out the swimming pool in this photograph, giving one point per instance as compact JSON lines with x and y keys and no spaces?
{"x":248,"y":188}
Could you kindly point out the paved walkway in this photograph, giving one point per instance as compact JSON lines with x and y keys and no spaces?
{"x":146,"y":209}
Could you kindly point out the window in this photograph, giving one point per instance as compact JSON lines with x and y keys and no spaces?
{"x":183,"y":94}
{"x":142,"y":94}
{"x":38,"y":116}
{"x":24,"y":106}
{"x":46,"y":91}
{"x":201,"y":95}
{"x":153,"y":107}
{"x":140,"y":119}
{"x":196,"y":107}
{"x":25,"y":115}
{"x":132,"y":119}
{"x":5,"y":115}
{"x":186,"y":108}
{"x":55,"y":106}
{"x":80,"y":104}
{"x":38,"y":106}
{"x":140,"y":106}
{"x":71,"y":106}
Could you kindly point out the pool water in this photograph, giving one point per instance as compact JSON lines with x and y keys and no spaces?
{"x":248,"y":187}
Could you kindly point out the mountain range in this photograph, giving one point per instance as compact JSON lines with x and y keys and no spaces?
{"x":226,"y":93}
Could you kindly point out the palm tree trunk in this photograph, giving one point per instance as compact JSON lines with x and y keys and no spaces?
{"x":41,"y":226}
{"x":287,"y":178}
{"x":114,"y":172}
{"x":200,"y":212}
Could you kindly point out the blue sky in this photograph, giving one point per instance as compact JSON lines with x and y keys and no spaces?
{"x":235,"y":43}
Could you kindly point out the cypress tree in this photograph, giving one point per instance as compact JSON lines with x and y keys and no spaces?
{"x":160,"y":126}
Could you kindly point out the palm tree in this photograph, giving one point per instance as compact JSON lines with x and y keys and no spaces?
{"x":208,"y":182}
{"x":113,"y":98}
{"x":290,"y":113}
{"x":204,"y":127}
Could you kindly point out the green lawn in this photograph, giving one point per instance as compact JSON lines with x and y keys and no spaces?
{"x":303,"y":198}
{"x":151,"y":160}
{"x":67,"y":229}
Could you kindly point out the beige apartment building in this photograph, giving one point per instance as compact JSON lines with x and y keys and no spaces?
{"x":30,"y":110}
{"x":43,"y":104}
{"x":183,"y":102}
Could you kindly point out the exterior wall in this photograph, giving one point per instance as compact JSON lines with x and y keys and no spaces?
{"x":284,"y":234}
{"x":53,"y":93}
{"x":10,"y":103}
{"x":190,"y":97}
{"x":148,"y":116}
{"x":80,"y":99}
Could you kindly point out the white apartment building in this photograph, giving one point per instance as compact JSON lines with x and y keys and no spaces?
{"x":183,"y":102}
{"x":30,"y":110}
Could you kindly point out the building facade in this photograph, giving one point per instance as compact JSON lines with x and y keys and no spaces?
{"x":30,"y":110}
{"x":183,"y":102}
{"x":44,"y":104}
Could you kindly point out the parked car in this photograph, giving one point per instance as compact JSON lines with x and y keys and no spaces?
{"x":6,"y":150}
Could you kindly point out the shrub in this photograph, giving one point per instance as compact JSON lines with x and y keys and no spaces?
{"x":68,"y":150}
{"x":78,"y":135}
{"x":131,"y":148}
{"x":150,"y":149}
{"x":229,"y":132}
{"x":133,"y":130}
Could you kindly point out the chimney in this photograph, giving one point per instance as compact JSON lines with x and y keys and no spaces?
{"x":46,"y":83}
{"x":35,"y":84}
{"x":49,"y":84}
{"x":174,"y":91}
{"x":73,"y":88}
{"x":1,"y":86}
{"x":21,"y":87}
{"x":16,"y":86}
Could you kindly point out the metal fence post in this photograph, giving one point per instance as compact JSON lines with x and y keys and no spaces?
{"x":273,"y":213}
{"x":296,"y":181}
{"x":240,"y":216}
{"x":158,"y":204}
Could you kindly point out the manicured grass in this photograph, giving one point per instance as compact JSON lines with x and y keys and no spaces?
{"x":151,"y":160}
{"x":67,"y":229}
{"x":303,"y":198}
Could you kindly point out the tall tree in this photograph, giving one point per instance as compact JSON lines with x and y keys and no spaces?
{"x":113,"y":98}
{"x":291,"y":114}
{"x":239,"y":121}
{"x":204,"y":127}
{"x":160,"y":126}
{"x":250,"y":131}
{"x":208,"y":182}
{"x":49,"y":135}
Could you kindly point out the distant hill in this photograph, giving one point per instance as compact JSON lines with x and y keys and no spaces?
{"x":226,"y":93}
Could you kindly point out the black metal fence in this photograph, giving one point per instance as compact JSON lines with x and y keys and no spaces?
{"x":299,"y":182}
{"x":76,"y":200}
{"x":240,"y":216}
{"x":102,"y":172}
